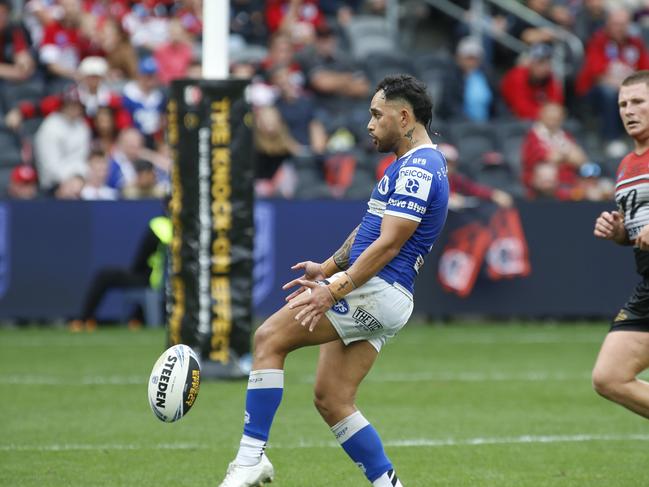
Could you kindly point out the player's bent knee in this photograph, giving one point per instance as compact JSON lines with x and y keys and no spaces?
{"x":331,"y":405}
{"x":265,"y":341}
{"x":608,"y":384}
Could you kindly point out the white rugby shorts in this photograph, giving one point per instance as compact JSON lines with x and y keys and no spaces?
{"x":375,"y":312}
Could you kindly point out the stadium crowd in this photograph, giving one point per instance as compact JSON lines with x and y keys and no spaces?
{"x":84,"y":83}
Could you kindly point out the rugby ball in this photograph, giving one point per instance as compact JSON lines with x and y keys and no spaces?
{"x":174,"y":383}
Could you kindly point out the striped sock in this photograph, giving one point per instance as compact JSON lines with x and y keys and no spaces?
{"x":265,"y":388}
{"x":363,"y":445}
{"x":388,"y":479}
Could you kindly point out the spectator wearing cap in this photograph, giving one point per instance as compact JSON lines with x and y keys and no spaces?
{"x":530,"y":85}
{"x":611,"y":55}
{"x":464,"y":189}
{"x":23,"y":183}
{"x":16,"y":63}
{"x":145,"y":101}
{"x":469,"y":92}
{"x":145,"y":185}
{"x":93,"y":94}
{"x":62,"y":144}
{"x":174,"y":56}
{"x":551,"y":157}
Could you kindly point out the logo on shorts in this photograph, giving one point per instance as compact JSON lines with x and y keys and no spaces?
{"x":621,"y":316}
{"x":365,"y":320}
{"x":341,"y":307}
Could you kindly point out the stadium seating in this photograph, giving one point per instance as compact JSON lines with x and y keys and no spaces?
{"x":30,"y":90}
{"x":9,"y":148}
{"x":310,"y":183}
{"x":367,"y":36}
{"x":385,"y":63}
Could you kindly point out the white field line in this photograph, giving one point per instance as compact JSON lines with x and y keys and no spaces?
{"x":411,"y":443}
{"x":43,"y":380}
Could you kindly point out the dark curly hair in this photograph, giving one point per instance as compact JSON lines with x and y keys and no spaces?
{"x":410,"y":89}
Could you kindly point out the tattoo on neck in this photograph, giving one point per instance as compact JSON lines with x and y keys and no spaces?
{"x":409,"y":135}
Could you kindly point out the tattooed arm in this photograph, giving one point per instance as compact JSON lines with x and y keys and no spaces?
{"x":341,"y":256}
{"x":314,"y":271}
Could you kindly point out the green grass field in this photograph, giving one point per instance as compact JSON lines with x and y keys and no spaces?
{"x":459,"y":405}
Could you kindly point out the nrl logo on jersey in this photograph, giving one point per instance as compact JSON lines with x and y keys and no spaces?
{"x":384,"y":185}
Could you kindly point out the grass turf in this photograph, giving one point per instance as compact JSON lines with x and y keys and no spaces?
{"x":459,"y":405}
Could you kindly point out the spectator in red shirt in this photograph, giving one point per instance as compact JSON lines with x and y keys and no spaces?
{"x":16,"y":64}
{"x":297,"y":18}
{"x":611,"y":55}
{"x":64,"y":43}
{"x":174,"y":57}
{"x":551,"y":157}
{"x":527,"y":87}
{"x":93,"y":94}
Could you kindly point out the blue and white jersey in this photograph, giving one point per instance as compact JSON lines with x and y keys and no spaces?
{"x":415,"y":187}
{"x":146,"y":109}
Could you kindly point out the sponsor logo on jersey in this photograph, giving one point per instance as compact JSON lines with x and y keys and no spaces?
{"x":366,"y":321}
{"x":414,"y":182}
{"x":246,"y":418}
{"x":384,"y":185}
{"x":407,"y":205}
{"x":341,"y":307}
{"x":412,"y":186}
{"x":419,"y":160}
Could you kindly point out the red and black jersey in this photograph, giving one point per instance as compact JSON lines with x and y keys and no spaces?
{"x":632,"y":198}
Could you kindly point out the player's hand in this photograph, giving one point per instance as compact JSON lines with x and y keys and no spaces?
{"x":314,"y":304}
{"x":312,"y":272}
{"x":610,"y":225}
{"x":642,"y":240}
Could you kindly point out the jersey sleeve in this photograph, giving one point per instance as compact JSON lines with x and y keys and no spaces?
{"x":413,"y":190}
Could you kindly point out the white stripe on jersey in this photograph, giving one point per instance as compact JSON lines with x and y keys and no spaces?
{"x":630,"y":180}
{"x":376,"y":207}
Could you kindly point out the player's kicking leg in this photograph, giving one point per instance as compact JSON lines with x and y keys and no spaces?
{"x":340,"y":371}
{"x":279,"y":335}
{"x":624,"y":355}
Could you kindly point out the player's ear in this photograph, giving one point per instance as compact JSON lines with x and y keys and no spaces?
{"x":405,"y":117}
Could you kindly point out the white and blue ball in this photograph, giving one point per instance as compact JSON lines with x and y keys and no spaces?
{"x":174,"y":383}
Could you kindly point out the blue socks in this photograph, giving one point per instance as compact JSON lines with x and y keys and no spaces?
{"x":362,"y":443}
{"x":265,"y":388}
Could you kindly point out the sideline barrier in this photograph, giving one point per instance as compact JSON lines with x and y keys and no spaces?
{"x":50,"y":250}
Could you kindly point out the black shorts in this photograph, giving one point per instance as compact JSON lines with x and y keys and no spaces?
{"x":634,"y":315}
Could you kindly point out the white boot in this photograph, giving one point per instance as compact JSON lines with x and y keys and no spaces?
{"x":253,"y":476}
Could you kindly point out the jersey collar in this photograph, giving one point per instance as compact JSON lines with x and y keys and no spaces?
{"x":422,"y":146}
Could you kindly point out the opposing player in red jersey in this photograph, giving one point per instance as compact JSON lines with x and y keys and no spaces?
{"x":625,"y":351}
